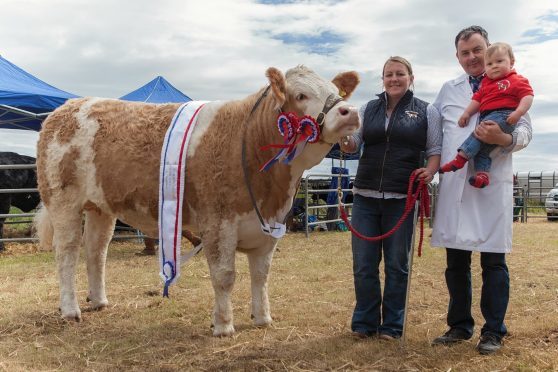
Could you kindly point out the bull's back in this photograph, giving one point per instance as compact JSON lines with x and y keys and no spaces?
{"x":104,"y":153}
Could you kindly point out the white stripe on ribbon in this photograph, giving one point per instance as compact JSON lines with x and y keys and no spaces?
{"x":171,"y":183}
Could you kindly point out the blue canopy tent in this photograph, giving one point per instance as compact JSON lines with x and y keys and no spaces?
{"x":157,"y":90}
{"x":25,"y":101}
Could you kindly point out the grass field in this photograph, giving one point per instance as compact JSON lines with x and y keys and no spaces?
{"x":311,"y":295}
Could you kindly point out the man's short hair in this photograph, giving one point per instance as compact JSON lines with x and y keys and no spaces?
{"x":467,"y":32}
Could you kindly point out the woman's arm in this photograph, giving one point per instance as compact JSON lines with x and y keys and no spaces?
{"x":351,"y":144}
{"x":434,"y":136}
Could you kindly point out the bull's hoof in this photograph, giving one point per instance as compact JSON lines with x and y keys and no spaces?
{"x":223,"y":330}
{"x":147,"y":252}
{"x":263,"y":321}
{"x":72,"y":316}
{"x":99,"y":305}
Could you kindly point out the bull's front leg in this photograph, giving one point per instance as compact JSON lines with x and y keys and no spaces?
{"x":260,"y":263}
{"x":220,"y":248}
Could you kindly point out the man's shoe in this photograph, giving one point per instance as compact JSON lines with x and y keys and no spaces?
{"x":360,"y":335}
{"x":452,"y":336}
{"x":387,"y":337}
{"x":489,"y":343}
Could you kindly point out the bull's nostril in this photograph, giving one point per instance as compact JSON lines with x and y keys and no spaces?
{"x":343,"y":111}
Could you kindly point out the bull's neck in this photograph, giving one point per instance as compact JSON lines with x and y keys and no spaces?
{"x":274,"y":189}
{"x":261,"y":130}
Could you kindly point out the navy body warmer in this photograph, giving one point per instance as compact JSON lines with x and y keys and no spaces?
{"x":389,"y":156}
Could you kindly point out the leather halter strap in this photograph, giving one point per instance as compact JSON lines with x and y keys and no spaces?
{"x":330,"y":102}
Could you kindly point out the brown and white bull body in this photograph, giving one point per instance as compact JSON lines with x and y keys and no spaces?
{"x":100,"y":158}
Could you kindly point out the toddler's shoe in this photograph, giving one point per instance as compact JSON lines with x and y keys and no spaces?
{"x":457,"y":163}
{"x":480,"y":180}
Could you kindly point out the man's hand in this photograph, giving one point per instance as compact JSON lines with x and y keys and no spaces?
{"x":489,"y":132}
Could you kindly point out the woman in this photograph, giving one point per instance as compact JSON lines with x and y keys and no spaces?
{"x":396,"y":127}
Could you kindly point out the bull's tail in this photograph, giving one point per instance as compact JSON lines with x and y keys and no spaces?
{"x":43,"y":228}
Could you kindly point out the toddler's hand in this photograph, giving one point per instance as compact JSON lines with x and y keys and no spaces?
{"x":513,"y":118}
{"x":463,"y":120}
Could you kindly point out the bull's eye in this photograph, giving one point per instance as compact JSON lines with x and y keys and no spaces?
{"x":300,"y":97}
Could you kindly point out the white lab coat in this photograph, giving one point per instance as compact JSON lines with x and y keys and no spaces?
{"x":466,"y":217}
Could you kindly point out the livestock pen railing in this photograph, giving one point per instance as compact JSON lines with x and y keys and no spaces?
{"x":8,"y":216}
{"x":318,"y":213}
{"x":314,"y":213}
{"x":15,"y":218}
{"x":315,"y":210}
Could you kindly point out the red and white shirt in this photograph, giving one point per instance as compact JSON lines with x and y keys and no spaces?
{"x":505,"y":92}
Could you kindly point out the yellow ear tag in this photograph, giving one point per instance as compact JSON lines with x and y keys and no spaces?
{"x":342,"y":93}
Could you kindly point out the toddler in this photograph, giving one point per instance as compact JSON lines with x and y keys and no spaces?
{"x":503,"y":97}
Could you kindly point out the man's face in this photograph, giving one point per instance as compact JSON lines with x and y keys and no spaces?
{"x":470,"y":54}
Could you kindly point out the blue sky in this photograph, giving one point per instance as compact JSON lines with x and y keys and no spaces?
{"x":218,"y":50}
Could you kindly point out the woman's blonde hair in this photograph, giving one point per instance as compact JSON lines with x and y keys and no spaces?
{"x":500,"y":47}
{"x":401,"y":60}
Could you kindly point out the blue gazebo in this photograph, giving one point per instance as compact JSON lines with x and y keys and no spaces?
{"x":25,"y":101}
{"x":158,"y":90}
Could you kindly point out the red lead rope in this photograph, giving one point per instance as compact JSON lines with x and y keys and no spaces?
{"x":421,"y":194}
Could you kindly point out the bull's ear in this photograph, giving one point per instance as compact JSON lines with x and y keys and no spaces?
{"x":278,"y":85}
{"x":346,"y":82}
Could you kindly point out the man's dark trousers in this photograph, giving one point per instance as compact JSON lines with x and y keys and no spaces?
{"x":494,"y":296}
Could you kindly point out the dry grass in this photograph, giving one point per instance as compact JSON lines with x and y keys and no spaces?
{"x":311,"y":294}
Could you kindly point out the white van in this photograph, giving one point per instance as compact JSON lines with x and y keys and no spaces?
{"x":551,"y":204}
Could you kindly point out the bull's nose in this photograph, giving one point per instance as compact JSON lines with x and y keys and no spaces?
{"x":343,"y":111}
{"x":348,"y":118}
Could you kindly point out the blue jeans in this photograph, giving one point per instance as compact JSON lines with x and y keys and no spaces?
{"x":494,"y":294}
{"x":480,"y":151}
{"x":372,"y":217}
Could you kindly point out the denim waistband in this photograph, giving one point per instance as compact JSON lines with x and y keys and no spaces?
{"x":486,"y":112}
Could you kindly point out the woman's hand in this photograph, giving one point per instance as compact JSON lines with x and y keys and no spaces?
{"x":424,"y":174}
{"x":347,"y":144}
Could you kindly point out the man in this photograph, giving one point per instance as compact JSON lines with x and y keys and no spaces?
{"x":470,"y":219}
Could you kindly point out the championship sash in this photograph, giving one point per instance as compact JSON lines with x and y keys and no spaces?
{"x":171,"y":183}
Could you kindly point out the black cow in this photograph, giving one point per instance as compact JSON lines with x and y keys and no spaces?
{"x":17,"y":179}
